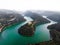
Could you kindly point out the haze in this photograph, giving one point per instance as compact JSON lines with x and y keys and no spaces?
{"x":23,"y":5}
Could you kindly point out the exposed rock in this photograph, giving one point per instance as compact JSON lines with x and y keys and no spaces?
{"x":27,"y":29}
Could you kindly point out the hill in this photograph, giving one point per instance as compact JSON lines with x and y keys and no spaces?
{"x":55,"y":17}
{"x":36,"y":17}
{"x":9,"y":16}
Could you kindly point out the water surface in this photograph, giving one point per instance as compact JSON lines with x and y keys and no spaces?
{"x":11,"y":37}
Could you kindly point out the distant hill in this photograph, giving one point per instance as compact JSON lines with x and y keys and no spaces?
{"x":37,"y":17}
{"x":8,"y":16}
{"x":45,"y":13}
{"x":49,"y":13}
{"x":55,"y":17}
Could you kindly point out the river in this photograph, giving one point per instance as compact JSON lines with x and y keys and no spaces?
{"x":11,"y":37}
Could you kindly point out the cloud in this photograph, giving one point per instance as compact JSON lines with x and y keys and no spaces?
{"x":53,"y":5}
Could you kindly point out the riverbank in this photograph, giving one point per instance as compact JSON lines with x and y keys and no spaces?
{"x":51,"y":42}
{"x":2,"y":28}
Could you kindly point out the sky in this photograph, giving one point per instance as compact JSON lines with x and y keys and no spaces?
{"x":23,"y":5}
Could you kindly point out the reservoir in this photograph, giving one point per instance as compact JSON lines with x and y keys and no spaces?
{"x":11,"y":36}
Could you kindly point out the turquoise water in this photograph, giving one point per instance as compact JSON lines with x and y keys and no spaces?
{"x":11,"y":37}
